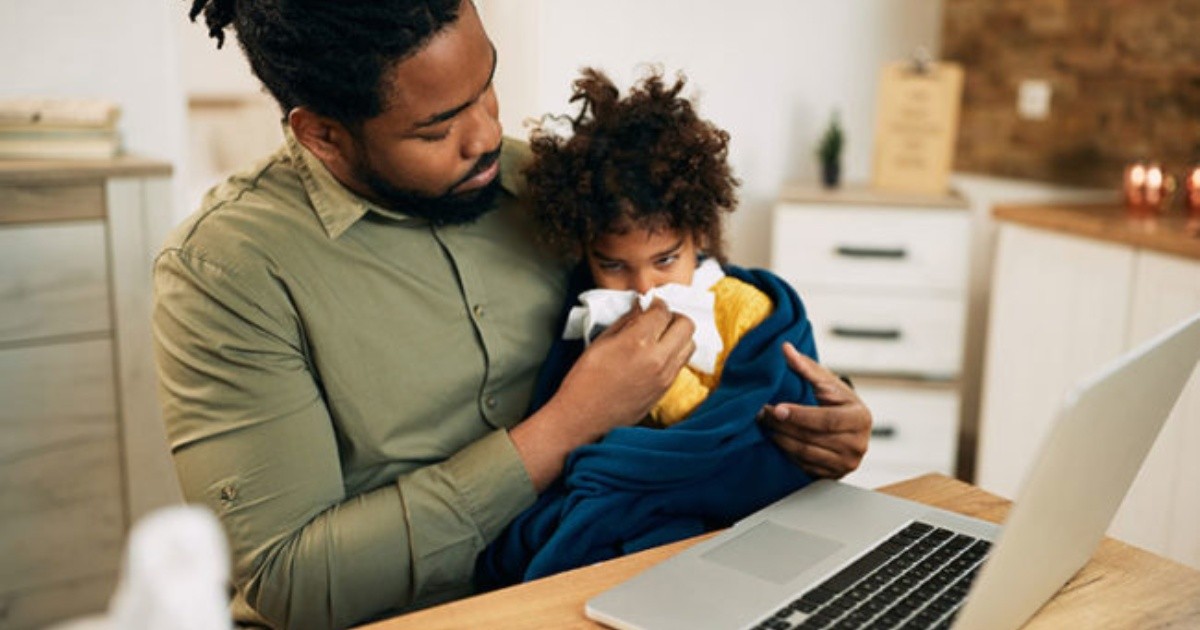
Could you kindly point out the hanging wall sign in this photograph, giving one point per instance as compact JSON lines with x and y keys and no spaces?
{"x":916,"y":126}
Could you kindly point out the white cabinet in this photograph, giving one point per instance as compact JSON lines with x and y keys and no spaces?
{"x":1059,"y":310}
{"x":1162,"y":511}
{"x":915,"y":430}
{"x":884,"y":278}
{"x":1062,"y":306}
{"x":83,"y":452}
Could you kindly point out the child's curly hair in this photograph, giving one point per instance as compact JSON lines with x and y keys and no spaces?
{"x":646,"y":160}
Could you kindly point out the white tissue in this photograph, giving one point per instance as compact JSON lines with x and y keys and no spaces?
{"x":600,"y":308}
{"x":175,"y":575}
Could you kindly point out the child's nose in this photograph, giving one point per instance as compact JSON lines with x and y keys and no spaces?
{"x":644,"y":281}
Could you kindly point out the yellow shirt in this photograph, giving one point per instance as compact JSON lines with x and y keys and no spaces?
{"x":737,"y":308}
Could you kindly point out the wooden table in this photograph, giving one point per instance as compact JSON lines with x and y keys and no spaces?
{"x":1121,"y":587}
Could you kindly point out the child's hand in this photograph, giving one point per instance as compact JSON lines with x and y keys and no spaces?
{"x":826,"y":441}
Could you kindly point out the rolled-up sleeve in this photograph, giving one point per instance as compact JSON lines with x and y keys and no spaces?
{"x":253,"y":439}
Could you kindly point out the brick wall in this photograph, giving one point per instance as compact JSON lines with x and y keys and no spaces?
{"x":1125,"y":79}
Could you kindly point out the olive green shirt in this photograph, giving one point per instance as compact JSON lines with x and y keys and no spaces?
{"x":337,"y":381}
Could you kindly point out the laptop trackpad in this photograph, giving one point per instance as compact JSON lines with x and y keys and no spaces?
{"x":773,"y":552}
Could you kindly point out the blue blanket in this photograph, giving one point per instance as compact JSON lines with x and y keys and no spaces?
{"x":640,"y":487}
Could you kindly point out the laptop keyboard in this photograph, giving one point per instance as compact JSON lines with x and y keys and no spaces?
{"x":915,"y":579}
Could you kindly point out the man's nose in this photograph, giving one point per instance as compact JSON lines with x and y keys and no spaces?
{"x":484,"y":133}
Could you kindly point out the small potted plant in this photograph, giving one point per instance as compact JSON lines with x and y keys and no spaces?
{"x":829,"y":152}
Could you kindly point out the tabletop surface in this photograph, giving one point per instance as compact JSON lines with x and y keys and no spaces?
{"x":1121,"y":587}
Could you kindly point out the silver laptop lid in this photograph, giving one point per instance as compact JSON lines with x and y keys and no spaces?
{"x":1086,"y":465}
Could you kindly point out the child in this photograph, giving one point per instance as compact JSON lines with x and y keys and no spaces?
{"x":637,"y":194}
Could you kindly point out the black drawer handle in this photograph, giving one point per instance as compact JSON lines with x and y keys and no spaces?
{"x":850,"y":251}
{"x":884,"y":431}
{"x":882,"y":334}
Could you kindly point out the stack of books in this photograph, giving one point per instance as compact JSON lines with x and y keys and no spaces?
{"x":32,"y":128}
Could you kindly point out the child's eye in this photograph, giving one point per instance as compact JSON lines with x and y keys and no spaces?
{"x":667,"y":261}
{"x":610,"y":266}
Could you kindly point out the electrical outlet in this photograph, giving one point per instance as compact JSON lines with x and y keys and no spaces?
{"x":1033,"y":99}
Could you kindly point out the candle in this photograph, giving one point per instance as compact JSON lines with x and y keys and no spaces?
{"x":1154,"y":188}
{"x":1147,"y":189}
{"x":1135,"y":193}
{"x":1191,"y":192}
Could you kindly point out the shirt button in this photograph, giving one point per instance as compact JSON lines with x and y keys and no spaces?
{"x":229,"y":493}
{"x":490,"y":402}
{"x":478,"y":310}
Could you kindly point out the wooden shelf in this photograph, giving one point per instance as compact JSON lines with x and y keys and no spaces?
{"x":862,"y":194}
{"x":38,"y":171}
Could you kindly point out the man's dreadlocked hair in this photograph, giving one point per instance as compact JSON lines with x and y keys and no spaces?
{"x":331,"y":56}
{"x":646,"y":160}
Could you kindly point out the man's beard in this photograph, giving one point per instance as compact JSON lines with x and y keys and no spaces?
{"x":449,"y":208}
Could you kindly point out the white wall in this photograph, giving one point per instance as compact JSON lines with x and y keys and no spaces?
{"x":768,"y":71}
{"x":146,"y":56}
{"x":232,"y":122}
{"x":207,"y":71}
{"x":123,"y":50}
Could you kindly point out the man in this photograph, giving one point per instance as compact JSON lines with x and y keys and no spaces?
{"x":348,"y":334}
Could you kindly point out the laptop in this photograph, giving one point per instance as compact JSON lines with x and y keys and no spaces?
{"x":833,"y":555}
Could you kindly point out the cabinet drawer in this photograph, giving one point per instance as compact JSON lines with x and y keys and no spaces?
{"x":915,"y":424}
{"x":60,"y":474}
{"x":53,"y":280}
{"x":38,"y":203}
{"x":871,"y":247}
{"x":915,"y":431}
{"x":895,"y":335}
{"x":66,"y":602}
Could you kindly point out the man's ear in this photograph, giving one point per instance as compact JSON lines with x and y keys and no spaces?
{"x":325,"y":137}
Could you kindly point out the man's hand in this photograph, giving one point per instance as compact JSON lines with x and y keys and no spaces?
{"x":614,"y":383}
{"x":628,"y":367}
{"x":826,"y":441}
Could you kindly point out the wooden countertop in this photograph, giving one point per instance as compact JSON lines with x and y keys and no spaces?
{"x":1121,"y":587}
{"x":1169,"y":234}
{"x":32,"y":172}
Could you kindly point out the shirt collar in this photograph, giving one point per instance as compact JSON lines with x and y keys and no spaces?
{"x":338,"y":207}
